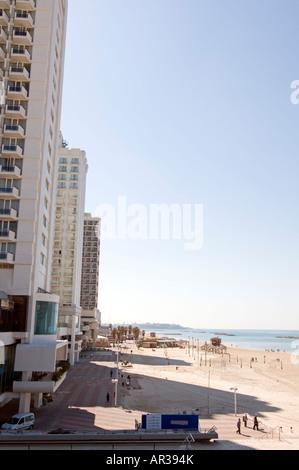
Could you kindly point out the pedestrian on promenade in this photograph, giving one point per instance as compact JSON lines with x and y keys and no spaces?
{"x":255,"y":423}
{"x":108,"y":397}
{"x":245,"y":419}
{"x":238,"y":426}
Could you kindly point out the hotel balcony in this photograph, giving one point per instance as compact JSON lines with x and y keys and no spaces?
{"x":23,"y":38}
{"x":7,"y":236}
{"x":18,"y":72}
{"x":5,"y":4}
{"x":15,"y":111}
{"x":13,"y":130}
{"x":12,"y":171}
{"x":45,"y":385}
{"x":6,"y":258}
{"x":3,"y":18}
{"x":17,"y":92}
{"x":2,"y":54}
{"x":27,"y":5}
{"x":20,"y":55}
{"x":23,"y":19}
{"x":8,"y":214}
{"x":3,"y":36}
{"x":13,"y":150}
{"x":9,"y":193}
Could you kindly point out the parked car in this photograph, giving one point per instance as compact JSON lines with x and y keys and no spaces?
{"x":19,"y":422}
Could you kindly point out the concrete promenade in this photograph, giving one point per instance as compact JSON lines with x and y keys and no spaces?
{"x":80,"y":404}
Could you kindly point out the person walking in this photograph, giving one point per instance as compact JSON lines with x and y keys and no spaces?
{"x":245,"y":419}
{"x":255,"y":423}
{"x":238,"y":426}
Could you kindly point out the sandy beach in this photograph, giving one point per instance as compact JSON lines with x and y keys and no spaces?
{"x":174,"y":380}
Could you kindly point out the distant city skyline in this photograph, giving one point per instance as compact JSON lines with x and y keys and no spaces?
{"x":189,"y":103}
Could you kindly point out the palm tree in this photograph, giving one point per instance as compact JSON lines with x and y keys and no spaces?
{"x":136,"y":333}
{"x":114,"y":335}
{"x":126,"y":332}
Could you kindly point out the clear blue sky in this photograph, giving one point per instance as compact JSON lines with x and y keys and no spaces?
{"x":188,"y":101}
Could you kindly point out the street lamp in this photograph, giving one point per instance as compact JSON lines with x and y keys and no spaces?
{"x":234,"y":389}
{"x":115,"y":381}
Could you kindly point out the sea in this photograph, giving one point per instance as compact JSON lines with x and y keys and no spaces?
{"x":261,"y":340}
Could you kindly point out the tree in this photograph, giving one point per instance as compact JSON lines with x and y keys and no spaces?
{"x":114,"y":335}
{"x":136,"y":333}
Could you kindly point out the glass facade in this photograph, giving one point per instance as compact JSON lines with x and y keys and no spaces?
{"x":7,"y":374}
{"x":13,"y":314}
{"x":46,"y":315}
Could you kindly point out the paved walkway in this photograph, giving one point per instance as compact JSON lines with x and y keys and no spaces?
{"x":80,"y":404}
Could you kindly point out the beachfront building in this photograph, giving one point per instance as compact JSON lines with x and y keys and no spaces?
{"x":68,"y":244}
{"x":90,"y":315}
{"x":32,"y":43}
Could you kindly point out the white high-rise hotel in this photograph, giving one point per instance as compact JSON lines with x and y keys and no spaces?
{"x":32,"y":41}
{"x":68,"y":245}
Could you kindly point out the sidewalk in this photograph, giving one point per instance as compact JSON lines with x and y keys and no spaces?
{"x":80,"y":404}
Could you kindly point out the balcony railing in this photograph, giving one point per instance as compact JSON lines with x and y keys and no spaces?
{"x":23,"y":53}
{"x":10,"y":192}
{"x":13,"y":149}
{"x":17,"y":91}
{"x":24,"y":19}
{"x":15,"y":110}
{"x":18,"y":72}
{"x":7,"y":257}
{"x":14,"y":130}
{"x":9,"y":213}
{"x":8,"y":234}
{"x":28,"y":5}
{"x":22,"y":37}
{"x":12,"y":170}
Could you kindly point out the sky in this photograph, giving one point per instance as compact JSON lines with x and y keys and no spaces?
{"x":187,"y":102}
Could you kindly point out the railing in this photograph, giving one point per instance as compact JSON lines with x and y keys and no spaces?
{"x":4,"y":233}
{"x":6,"y":190}
{"x":8,"y":169}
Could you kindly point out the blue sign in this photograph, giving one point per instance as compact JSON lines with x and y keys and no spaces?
{"x":163,"y":422}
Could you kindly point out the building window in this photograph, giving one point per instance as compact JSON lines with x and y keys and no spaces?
{"x":46,"y":315}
